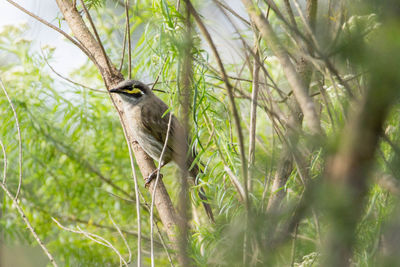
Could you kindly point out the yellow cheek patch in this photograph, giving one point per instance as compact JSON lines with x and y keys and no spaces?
{"x":133,"y":91}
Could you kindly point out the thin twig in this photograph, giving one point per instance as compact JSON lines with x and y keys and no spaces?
{"x":122,"y":236}
{"x":96,"y":238}
{"x":139,"y":260}
{"x":67,"y":79}
{"x":128,"y":29}
{"x":307,"y":25}
{"x":257,"y":59}
{"x":66,"y":35}
{"x":311,"y":44}
{"x":159,"y":73}
{"x":253,"y":112}
{"x":207,"y":36}
{"x":123,"y":50}
{"x":235,"y":182}
{"x":153,"y":196}
{"x":299,"y":89}
{"x":28,"y":224}
{"x":97,"y":36}
{"x":79,"y":220}
{"x":290,"y":13}
{"x":164,"y":245}
{"x":185,"y":78}
{"x":19,"y":140}
{"x":230,"y":10}
{"x":294,"y":245}
{"x":5,"y":161}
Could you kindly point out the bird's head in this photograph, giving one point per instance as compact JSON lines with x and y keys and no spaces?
{"x":131,"y":91}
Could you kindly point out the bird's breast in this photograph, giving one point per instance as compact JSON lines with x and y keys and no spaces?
{"x":152,"y":146}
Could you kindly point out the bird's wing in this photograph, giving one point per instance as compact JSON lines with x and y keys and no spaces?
{"x":157,"y":125}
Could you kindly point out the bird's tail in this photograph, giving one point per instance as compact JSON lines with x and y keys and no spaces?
{"x":193,"y":172}
{"x":207,"y":207}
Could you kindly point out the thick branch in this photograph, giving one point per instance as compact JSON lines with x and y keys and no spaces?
{"x":111,"y":78}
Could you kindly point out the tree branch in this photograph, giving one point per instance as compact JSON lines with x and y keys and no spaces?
{"x":229,"y":89}
{"x":299,"y":89}
{"x":28,"y":224}
{"x":111,"y":78}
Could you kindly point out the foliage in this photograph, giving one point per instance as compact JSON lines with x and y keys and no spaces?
{"x":75,"y":160}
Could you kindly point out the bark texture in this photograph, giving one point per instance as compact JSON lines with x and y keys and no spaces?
{"x":112,"y":77}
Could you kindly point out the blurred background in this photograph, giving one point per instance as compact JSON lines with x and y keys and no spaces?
{"x":312,"y":180}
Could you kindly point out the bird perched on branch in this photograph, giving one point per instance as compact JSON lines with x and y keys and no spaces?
{"x":149,"y":122}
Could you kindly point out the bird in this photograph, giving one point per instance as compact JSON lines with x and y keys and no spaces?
{"x":148,"y":120}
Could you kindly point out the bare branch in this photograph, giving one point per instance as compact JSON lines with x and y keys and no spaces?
{"x":96,"y":238}
{"x":97,"y":35}
{"x":19,"y":141}
{"x":123,"y":238}
{"x":121,"y":63}
{"x":235,"y":182}
{"x":80,"y":220}
{"x":139,"y":260}
{"x":230,"y":95}
{"x":253,"y":112}
{"x":230,"y":10}
{"x":4,"y":161}
{"x":290,"y":12}
{"x":28,"y":224}
{"x":298,"y":87}
{"x":128,"y":31}
{"x":69,"y":80}
{"x":84,"y":36}
{"x":154,"y":189}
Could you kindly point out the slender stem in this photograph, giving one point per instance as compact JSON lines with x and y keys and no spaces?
{"x":290,"y":12}
{"x":230,"y":10}
{"x":96,"y":238}
{"x":253,"y":112}
{"x":129,"y":40}
{"x":3,"y":149}
{"x":139,"y":259}
{"x":294,"y":245}
{"x":230,"y":95}
{"x":154,"y":190}
{"x":19,"y":140}
{"x":97,"y":36}
{"x":123,"y":49}
{"x":298,"y":87}
{"x":69,"y":80}
{"x":28,"y":224}
{"x":122,"y":236}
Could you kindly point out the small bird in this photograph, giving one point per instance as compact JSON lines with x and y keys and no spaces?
{"x":149,"y":122}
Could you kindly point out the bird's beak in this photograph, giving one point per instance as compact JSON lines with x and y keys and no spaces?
{"x":115,"y":90}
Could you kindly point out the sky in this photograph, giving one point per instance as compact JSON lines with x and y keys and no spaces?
{"x":64,"y":63}
{"x":48,"y":10}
